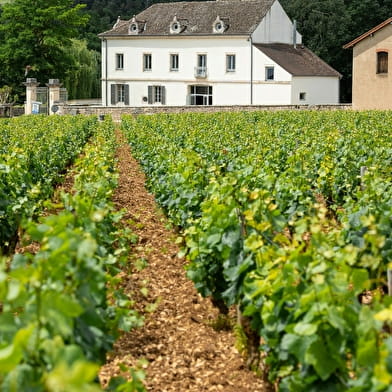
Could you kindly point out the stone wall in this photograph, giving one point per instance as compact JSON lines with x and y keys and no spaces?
{"x":117,"y":112}
{"x":11,"y":111}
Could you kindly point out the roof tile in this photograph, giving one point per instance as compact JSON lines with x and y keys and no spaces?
{"x":240,"y":16}
{"x":298,"y":61}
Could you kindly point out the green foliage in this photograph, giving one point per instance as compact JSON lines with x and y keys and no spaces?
{"x":278,"y":220}
{"x":34,"y":34}
{"x":104,"y":13}
{"x":62,"y":307}
{"x":135,"y":383}
{"x":34,"y":153}
{"x":82,"y":78}
{"x":5,"y":95}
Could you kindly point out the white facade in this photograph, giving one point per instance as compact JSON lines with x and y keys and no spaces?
{"x":210,"y":69}
{"x":229,"y":87}
{"x":276,"y":27}
{"x":315,"y":90}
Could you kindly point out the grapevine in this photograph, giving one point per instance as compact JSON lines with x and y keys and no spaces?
{"x":62,"y":307}
{"x":34,"y":153}
{"x":279,"y":219}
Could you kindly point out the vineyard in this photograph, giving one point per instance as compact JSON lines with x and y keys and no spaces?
{"x":61,"y":306}
{"x":288,"y":216}
{"x":285,"y":217}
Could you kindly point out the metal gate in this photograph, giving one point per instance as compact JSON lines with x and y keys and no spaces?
{"x":43,"y":99}
{"x":63,"y":95}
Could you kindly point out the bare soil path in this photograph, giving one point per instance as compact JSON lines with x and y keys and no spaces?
{"x":184,"y":352}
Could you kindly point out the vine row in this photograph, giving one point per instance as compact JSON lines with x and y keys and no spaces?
{"x":279,"y":219}
{"x":62,"y":307}
{"x":34,"y":154}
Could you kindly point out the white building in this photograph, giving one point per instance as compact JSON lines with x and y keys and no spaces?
{"x":224,"y":52}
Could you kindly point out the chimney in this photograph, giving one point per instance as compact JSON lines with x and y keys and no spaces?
{"x":295,"y":34}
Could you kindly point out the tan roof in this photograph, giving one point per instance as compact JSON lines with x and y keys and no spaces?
{"x":299,"y":61}
{"x":198,"y":17}
{"x":367,"y":34}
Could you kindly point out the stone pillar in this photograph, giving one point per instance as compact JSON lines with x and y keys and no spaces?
{"x":54,"y":95}
{"x":31,"y":94}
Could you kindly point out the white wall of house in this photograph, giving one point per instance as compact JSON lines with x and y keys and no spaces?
{"x":270,"y":92}
{"x":275,"y":27}
{"x":133,"y":49}
{"x":104,"y":70}
{"x":318,"y":90}
{"x":229,"y":88}
{"x":261,"y":61}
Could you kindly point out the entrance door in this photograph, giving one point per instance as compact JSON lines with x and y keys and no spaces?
{"x":200,"y":95}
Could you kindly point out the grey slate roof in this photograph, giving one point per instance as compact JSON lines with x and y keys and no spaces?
{"x":241,"y":17}
{"x":299,"y":61}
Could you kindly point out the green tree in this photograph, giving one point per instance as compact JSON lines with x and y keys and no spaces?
{"x":82,"y":77}
{"x":104,"y":13}
{"x":34,"y":35}
{"x":5,"y":95}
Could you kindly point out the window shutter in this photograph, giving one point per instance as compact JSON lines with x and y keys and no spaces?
{"x":126,"y":94}
{"x":113,"y":94}
{"x":150,"y":94}
{"x":163,"y":91}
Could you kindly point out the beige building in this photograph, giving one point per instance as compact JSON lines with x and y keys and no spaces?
{"x":372,"y":76}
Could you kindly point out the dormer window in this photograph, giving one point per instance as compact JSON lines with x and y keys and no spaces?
{"x":219,"y":26}
{"x":176,"y":26}
{"x":134,"y":27}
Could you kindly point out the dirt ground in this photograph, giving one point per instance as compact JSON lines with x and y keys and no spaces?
{"x":184,"y":351}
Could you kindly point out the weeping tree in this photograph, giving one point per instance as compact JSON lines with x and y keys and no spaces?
{"x":82,"y":78}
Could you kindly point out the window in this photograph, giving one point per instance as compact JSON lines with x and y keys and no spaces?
{"x":119,"y":61}
{"x":134,"y":28}
{"x":176,"y":27}
{"x":230,"y":63}
{"x":269,"y":73}
{"x":120,"y":96}
{"x":201,"y":68}
{"x":119,"y":93}
{"x":174,"y":62}
{"x":202,"y":60}
{"x":302,"y":96}
{"x":200,"y":95}
{"x":382,"y":62}
{"x":156,"y":94}
{"x":147,"y":62}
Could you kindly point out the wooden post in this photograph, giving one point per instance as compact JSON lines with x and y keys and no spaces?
{"x":389,"y":274}
{"x":363,"y":171}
